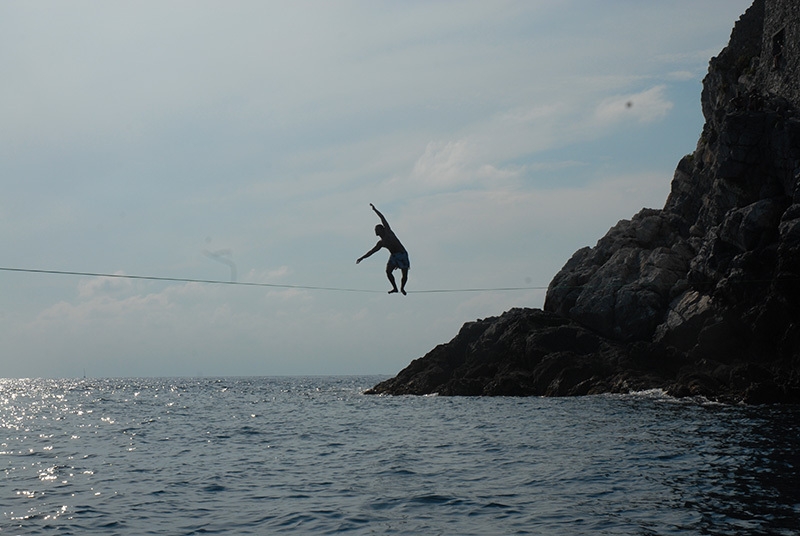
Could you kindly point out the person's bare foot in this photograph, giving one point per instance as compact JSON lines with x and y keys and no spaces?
{"x":393,"y":291}
{"x":403,"y":291}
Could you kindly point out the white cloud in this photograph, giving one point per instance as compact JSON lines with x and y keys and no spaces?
{"x":278,"y":273}
{"x":533,"y":114}
{"x":442,"y":164}
{"x":95,"y":286}
{"x":644,"y":107}
{"x":682,"y":76}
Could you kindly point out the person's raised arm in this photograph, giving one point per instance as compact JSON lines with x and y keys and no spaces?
{"x":383,"y":220}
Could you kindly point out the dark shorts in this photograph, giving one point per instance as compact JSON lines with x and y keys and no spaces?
{"x":398,"y":260}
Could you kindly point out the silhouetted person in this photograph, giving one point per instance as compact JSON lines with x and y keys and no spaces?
{"x":398,"y":257}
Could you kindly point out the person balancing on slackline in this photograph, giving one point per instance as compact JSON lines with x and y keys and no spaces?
{"x":398,"y":257}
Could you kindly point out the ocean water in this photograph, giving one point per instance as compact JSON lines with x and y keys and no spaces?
{"x":317,"y":456}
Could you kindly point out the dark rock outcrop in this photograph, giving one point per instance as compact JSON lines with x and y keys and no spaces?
{"x":701,"y":297}
{"x":530,"y":351}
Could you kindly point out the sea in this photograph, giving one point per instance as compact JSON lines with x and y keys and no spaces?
{"x":315,"y":455}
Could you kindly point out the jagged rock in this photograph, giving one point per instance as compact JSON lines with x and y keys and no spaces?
{"x":685,"y":318}
{"x":623,"y":286}
{"x":701,"y":297}
{"x":731,"y":212}
{"x":525,"y":352}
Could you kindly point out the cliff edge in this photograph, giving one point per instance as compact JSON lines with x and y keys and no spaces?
{"x":701,"y":297}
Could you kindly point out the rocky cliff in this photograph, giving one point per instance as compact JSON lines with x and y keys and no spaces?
{"x":701,"y":297}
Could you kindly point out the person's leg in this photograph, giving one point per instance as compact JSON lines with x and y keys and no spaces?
{"x":391,"y":280}
{"x":403,"y":281}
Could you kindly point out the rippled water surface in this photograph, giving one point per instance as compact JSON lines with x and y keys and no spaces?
{"x":316,"y":456}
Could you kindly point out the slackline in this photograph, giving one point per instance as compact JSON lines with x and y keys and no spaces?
{"x":249,"y":284}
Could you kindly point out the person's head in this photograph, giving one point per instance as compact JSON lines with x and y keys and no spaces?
{"x":379,"y":230}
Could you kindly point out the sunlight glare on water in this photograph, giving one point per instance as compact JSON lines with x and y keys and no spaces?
{"x":316,"y":455}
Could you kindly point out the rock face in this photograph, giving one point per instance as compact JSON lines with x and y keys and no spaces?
{"x":701,"y":297}
{"x":530,"y":351}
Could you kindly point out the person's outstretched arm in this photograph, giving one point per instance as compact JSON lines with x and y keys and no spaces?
{"x":383,"y":220}
{"x":377,"y":247}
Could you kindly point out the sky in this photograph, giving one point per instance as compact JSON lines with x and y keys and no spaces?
{"x":245,"y":141}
